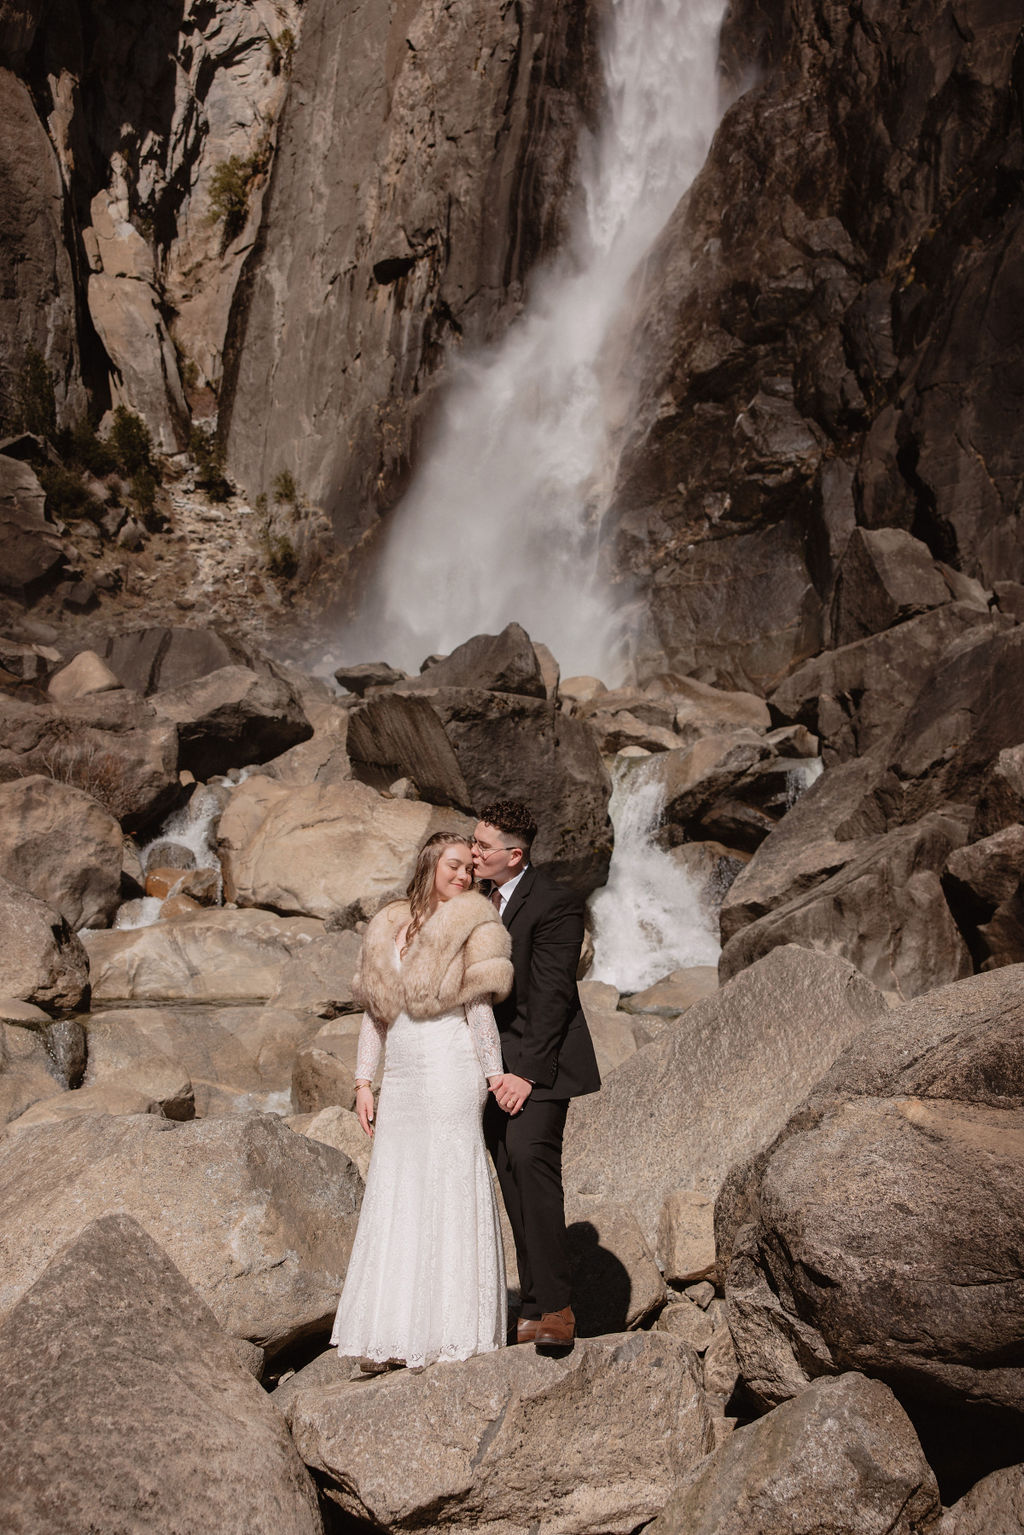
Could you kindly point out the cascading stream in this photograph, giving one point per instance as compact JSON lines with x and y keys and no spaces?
{"x":502,"y":521}
{"x":649,"y":918}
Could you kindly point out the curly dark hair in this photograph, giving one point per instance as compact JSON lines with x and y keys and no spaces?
{"x":513,"y":820}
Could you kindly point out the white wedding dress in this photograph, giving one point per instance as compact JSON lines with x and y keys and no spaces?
{"x":426,"y":1280}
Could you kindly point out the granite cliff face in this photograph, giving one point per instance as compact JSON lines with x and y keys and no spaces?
{"x":831,"y":335}
{"x":423,"y":163}
{"x":118,"y":120}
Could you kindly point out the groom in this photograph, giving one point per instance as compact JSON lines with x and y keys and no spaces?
{"x":549,"y":1058}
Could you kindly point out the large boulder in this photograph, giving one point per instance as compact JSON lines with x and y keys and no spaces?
{"x":110,"y":744}
{"x":26,"y":1072}
{"x":149,"y":660}
{"x":996,"y":1503}
{"x":501,"y":663}
{"x":884,"y":577}
{"x":855,"y":697}
{"x":983,"y":887}
{"x":58,"y":843}
{"x":202,"y":956}
{"x":41,"y":959}
{"x":594,"y":1440}
{"x":331,"y":850}
{"x":232,"y":717}
{"x":467,"y":746}
{"x":884,"y":910}
{"x":131,"y":1405}
{"x":881,"y":1230}
{"x":259,"y":1220}
{"x":616,"y":1282}
{"x":680,"y":1112}
{"x":33,"y":550}
{"x":841,"y":1457}
{"x":235,"y":1059}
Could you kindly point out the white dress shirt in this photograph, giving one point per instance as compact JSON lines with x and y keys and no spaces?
{"x":505,"y":890}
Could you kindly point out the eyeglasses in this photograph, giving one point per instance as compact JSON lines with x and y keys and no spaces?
{"x":485,"y":851}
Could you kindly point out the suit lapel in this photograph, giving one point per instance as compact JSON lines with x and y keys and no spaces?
{"x":518,"y":896}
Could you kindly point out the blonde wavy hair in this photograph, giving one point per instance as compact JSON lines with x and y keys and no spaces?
{"x":421,"y":886}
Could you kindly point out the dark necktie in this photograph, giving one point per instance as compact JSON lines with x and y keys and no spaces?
{"x":496,"y":899}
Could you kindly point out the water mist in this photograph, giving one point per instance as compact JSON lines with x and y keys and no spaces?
{"x":503,"y":519}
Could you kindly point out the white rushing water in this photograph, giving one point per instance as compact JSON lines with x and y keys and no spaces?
{"x":648,"y":919}
{"x":502,"y":520}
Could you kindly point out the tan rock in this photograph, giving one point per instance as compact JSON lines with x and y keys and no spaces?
{"x":41,"y":959}
{"x":703,"y":710}
{"x":685,"y":1320}
{"x":996,"y":1503}
{"x":581,"y":690}
{"x":232,"y":717}
{"x":682,"y":1111}
{"x":616,"y":1282}
{"x":318,"y":979}
{"x":339,"y":1128}
{"x":208,"y":955}
{"x":721,"y":1367}
{"x":238,"y":1059}
{"x":686,"y":1237}
{"x":60,"y":845}
{"x":26,"y":1074}
{"x":129,"y":1348}
{"x":260,"y":1221}
{"x":907,"y":1158}
{"x":842,"y":1457}
{"x":86,"y":674}
{"x":110,"y":1097}
{"x":671,"y":996}
{"x":324,"y":850}
{"x":510,"y":1440}
{"x":324,"y":1070}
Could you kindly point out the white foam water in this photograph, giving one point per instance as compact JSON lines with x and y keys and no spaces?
{"x":503,"y":518}
{"x":648,"y":919}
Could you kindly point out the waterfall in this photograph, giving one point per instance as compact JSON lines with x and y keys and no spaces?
{"x":503,"y":518}
{"x":649,"y":918}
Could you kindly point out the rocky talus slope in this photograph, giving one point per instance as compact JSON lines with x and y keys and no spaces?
{"x":795,"y":1206}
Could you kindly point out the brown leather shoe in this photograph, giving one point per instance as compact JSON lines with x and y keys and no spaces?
{"x":527,"y":1328}
{"x":556,"y":1329}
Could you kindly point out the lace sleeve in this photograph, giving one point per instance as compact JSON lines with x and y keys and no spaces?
{"x":371,"y":1042}
{"x":484,"y":1032}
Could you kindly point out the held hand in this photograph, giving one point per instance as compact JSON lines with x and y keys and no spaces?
{"x":364,"y":1107}
{"x":511,"y":1092}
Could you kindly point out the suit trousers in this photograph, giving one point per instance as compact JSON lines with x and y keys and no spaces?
{"x":527,"y":1153}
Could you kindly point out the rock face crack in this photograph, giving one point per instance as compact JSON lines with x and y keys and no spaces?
{"x":488,"y":1436}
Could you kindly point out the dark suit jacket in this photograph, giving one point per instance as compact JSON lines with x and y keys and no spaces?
{"x":544,"y":1035}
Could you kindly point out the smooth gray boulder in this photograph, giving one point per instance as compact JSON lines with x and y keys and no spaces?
{"x":259,"y":1220}
{"x":881,"y":1231}
{"x":712,"y":1091}
{"x":842,"y":1457}
{"x":127,"y":1408}
{"x":511,"y":1440}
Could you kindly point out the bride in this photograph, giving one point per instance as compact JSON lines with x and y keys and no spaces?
{"x":426,"y":1279}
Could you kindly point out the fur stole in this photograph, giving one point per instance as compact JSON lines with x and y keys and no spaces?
{"x":459,"y":953}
